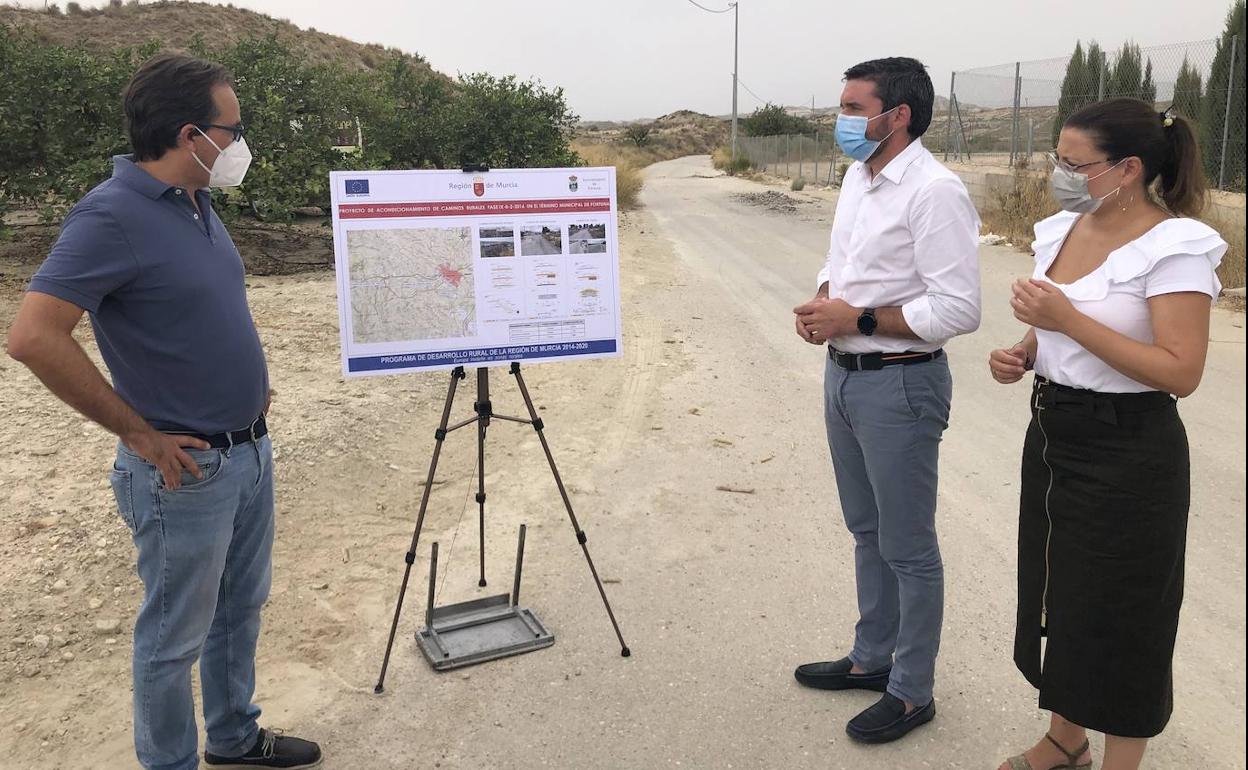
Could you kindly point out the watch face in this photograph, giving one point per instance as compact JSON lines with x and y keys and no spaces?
{"x":866,"y":324}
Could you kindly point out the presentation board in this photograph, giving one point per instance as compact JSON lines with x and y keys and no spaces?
{"x":438,"y":269}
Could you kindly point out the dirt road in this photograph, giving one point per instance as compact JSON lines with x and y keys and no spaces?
{"x":719,"y":593}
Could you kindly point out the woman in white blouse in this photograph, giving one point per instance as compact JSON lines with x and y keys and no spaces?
{"x":1119,"y":309}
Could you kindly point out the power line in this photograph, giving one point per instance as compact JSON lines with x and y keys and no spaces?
{"x":749,"y":91}
{"x":709,"y":10}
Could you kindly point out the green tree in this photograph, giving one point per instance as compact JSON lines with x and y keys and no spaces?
{"x":1126,"y":76}
{"x":1214,"y":114}
{"x":1078,"y":87}
{"x":1096,"y":82}
{"x":411,"y":121}
{"x":503,"y":122}
{"x":60,"y":116}
{"x":772,"y":119}
{"x":638,"y":134}
{"x":1073,"y":86}
{"x":1187,"y":91}
{"x":1148,"y":89}
{"x":61,"y":119}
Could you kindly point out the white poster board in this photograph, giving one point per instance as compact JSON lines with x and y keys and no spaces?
{"x":438,"y":269}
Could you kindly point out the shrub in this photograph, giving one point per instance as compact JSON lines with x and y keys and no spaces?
{"x":722,"y":159}
{"x":1014,"y":212}
{"x":1231,"y":271}
{"x":61,"y":119}
{"x":638,"y":134}
{"x":628,"y":176}
{"x":797,"y":185}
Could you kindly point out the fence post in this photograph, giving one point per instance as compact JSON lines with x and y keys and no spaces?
{"x":800,"y":154}
{"x":1014,"y":123}
{"x":1100,"y":86}
{"x":816,"y":174}
{"x":1031,"y":137}
{"x":953,"y":80}
{"x":1226,"y":117}
{"x":788,"y":155}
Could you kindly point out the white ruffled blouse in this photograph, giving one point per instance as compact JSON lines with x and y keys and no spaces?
{"x":1178,"y":255}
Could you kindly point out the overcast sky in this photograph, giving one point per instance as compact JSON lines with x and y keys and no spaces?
{"x":644,"y":58}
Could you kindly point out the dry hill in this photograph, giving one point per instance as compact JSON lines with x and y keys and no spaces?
{"x":174,"y":24}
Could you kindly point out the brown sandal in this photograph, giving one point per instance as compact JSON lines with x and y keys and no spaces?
{"x":1020,"y":762}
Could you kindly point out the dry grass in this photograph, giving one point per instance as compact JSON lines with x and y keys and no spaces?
{"x":722,"y":159}
{"x":1231,"y":271}
{"x":174,"y":24}
{"x":628,"y":162}
{"x":1016,"y":211}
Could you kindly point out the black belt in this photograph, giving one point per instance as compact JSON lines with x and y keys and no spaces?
{"x":871,"y":362}
{"x":1103,"y":407}
{"x":257,"y":430}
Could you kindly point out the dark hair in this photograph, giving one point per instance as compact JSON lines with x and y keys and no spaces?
{"x":900,"y":80}
{"x":1124,"y":128}
{"x":169,"y":91}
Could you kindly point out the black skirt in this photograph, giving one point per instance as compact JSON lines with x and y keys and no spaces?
{"x":1101,"y":538}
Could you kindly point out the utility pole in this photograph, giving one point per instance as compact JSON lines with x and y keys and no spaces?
{"x":736,"y":26}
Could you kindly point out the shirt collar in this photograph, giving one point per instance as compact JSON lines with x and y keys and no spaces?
{"x":897,"y":167}
{"x":129,"y":173}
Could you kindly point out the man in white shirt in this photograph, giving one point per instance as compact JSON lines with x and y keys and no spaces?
{"x":902,"y":278}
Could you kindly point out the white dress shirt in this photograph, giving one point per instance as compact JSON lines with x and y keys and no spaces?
{"x":908,"y":238}
{"x":1177,"y":255}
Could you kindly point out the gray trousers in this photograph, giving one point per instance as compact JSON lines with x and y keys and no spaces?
{"x":884,"y":430}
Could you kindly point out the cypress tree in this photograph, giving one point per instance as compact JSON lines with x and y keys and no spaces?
{"x":1214,"y":114}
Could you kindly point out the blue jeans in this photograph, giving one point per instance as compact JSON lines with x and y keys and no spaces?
{"x":204,"y":557}
{"x":884,"y":430}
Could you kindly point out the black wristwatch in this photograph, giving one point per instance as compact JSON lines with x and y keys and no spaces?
{"x":867,"y":322}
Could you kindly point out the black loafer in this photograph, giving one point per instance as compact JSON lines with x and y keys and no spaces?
{"x":272,"y":750}
{"x":887,"y":720}
{"x":835,"y":675}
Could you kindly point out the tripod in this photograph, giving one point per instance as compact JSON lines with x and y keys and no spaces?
{"x":484,"y":414}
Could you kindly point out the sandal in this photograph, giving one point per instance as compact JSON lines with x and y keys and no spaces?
{"x":1020,"y":762}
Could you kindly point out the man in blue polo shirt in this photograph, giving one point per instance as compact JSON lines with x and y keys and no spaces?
{"x":147,"y":257}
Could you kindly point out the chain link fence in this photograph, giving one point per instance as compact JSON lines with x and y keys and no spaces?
{"x":1010,"y":115}
{"x":814,"y":158}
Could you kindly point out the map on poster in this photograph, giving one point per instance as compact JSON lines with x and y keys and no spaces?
{"x":438,"y":269}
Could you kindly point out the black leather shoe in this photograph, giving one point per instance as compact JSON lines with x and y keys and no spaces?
{"x":887,"y":720}
{"x":834,"y":675}
{"x":272,"y":750}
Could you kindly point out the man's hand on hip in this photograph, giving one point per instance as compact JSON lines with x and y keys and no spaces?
{"x":167,"y":454}
{"x":822,"y":319}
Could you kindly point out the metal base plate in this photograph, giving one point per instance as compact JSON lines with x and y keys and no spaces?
{"x":479,"y":630}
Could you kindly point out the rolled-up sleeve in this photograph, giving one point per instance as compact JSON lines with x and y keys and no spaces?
{"x":945,"y":228}
{"x":90,"y":260}
{"x":826,"y":271}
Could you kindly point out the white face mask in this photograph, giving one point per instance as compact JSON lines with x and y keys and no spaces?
{"x":231,"y":164}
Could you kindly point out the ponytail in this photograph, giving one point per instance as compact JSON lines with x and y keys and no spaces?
{"x":1181,"y":183}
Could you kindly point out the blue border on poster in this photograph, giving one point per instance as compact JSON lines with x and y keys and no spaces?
{"x":471,"y":356}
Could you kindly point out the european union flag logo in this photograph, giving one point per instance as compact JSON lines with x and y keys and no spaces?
{"x":357,"y":187}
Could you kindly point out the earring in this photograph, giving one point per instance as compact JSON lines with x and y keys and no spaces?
{"x":1123,"y":208}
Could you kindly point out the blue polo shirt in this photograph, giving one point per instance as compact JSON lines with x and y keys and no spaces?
{"x":164,"y":286}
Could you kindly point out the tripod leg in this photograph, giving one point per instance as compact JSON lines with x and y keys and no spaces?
{"x":567,"y":503}
{"x":481,"y":427}
{"x":484,"y":409}
{"x":409,"y":558}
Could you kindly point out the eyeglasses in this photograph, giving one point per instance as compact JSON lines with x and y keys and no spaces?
{"x":236,"y":131}
{"x":1063,"y":165}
